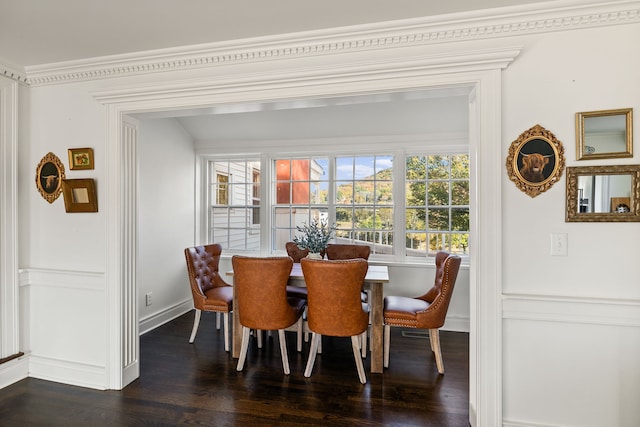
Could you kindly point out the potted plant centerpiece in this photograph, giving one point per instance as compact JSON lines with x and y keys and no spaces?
{"x":314,"y":237}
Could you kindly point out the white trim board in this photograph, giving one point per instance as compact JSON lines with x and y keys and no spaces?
{"x":485,"y":24}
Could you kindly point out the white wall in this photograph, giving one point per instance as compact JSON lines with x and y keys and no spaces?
{"x":166,"y":219}
{"x":570,"y":324}
{"x":571,"y":333}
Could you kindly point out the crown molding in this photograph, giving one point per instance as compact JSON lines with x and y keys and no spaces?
{"x":561,"y":15}
{"x":13,"y":73}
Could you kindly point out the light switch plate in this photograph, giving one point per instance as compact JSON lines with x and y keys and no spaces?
{"x":559,"y":244}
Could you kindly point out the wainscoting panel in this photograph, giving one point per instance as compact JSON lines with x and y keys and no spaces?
{"x":66,"y":326}
{"x":576,"y":358}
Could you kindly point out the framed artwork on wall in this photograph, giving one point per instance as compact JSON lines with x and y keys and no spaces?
{"x":535,"y":161}
{"x":80,"y":195}
{"x":80,"y":158}
{"x":49,"y":176}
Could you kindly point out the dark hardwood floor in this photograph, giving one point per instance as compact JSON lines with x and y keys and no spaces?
{"x":184,"y":384}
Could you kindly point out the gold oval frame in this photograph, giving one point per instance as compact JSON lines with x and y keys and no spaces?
{"x":545,"y":151}
{"x":49,"y":176}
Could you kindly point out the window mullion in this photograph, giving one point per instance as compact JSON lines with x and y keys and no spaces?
{"x":399,"y":214}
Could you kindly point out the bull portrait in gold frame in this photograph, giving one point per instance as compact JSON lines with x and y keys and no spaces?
{"x":535,"y":161}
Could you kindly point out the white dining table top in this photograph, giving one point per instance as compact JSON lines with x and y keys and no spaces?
{"x":375,"y":273}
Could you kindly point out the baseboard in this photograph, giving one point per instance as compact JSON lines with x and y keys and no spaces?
{"x":14,"y":371}
{"x":456,"y":324}
{"x":155,"y":320}
{"x":66,"y":372}
{"x":523,"y":424}
{"x":473,"y":418}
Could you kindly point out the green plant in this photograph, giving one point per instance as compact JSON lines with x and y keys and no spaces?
{"x":314,"y":236}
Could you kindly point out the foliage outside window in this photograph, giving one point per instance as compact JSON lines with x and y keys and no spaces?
{"x":436,"y":204}
{"x":364,"y":201}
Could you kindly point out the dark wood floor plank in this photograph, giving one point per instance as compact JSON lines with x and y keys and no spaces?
{"x":197,"y":384}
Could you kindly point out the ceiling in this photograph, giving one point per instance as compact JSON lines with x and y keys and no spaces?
{"x":425,"y":112}
{"x":36,"y":32}
{"x":39,"y":32}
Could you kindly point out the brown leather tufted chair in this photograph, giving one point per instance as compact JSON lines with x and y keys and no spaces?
{"x":340,"y":251}
{"x":296,"y":255}
{"x":424,"y":312}
{"x":334,"y":306}
{"x":210,"y":292}
{"x":262,"y":300}
{"x":295,"y":252}
{"x":345,"y":251}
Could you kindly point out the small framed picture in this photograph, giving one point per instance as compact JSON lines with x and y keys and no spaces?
{"x":80,"y":158}
{"x":79,"y":195}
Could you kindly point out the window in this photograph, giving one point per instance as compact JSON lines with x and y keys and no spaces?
{"x":301,"y":194}
{"x":364,"y":201}
{"x":436,"y":204}
{"x":256,"y":197}
{"x":222,"y":192}
{"x":235,"y":207}
{"x":403,"y":205}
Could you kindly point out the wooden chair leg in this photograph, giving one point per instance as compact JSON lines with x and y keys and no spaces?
{"x":363,"y":347}
{"x":315,"y":338}
{"x":243,"y":348}
{"x":259,"y":337}
{"x":355,"y":344}
{"x":218,"y":320}
{"x":299,"y":335}
{"x":434,"y":337}
{"x":283,"y":351}
{"x":387,"y":344}
{"x":226,"y":331}
{"x":196,"y":323}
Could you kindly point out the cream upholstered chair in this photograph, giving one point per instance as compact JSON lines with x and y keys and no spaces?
{"x":262,"y":301}
{"x":334,"y":305}
{"x":210,"y":292}
{"x":427,"y":311}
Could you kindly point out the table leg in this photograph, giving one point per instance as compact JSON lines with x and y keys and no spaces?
{"x":236,"y":340}
{"x":376,"y":328}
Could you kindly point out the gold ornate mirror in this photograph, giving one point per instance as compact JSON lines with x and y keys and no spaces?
{"x":603,"y":194}
{"x":604,"y":134}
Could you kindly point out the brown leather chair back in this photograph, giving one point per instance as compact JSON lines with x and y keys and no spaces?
{"x":334,"y":306}
{"x":338,"y":251}
{"x":261,"y":292}
{"x":439,"y":296}
{"x":202,"y":267}
{"x":295,"y":252}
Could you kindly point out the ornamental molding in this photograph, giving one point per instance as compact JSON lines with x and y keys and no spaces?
{"x":478,"y":25}
{"x":13,"y":74}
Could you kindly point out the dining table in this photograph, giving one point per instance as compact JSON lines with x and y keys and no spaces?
{"x":377,"y":276}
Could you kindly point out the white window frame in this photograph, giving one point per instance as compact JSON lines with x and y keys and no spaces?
{"x":403,"y":146}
